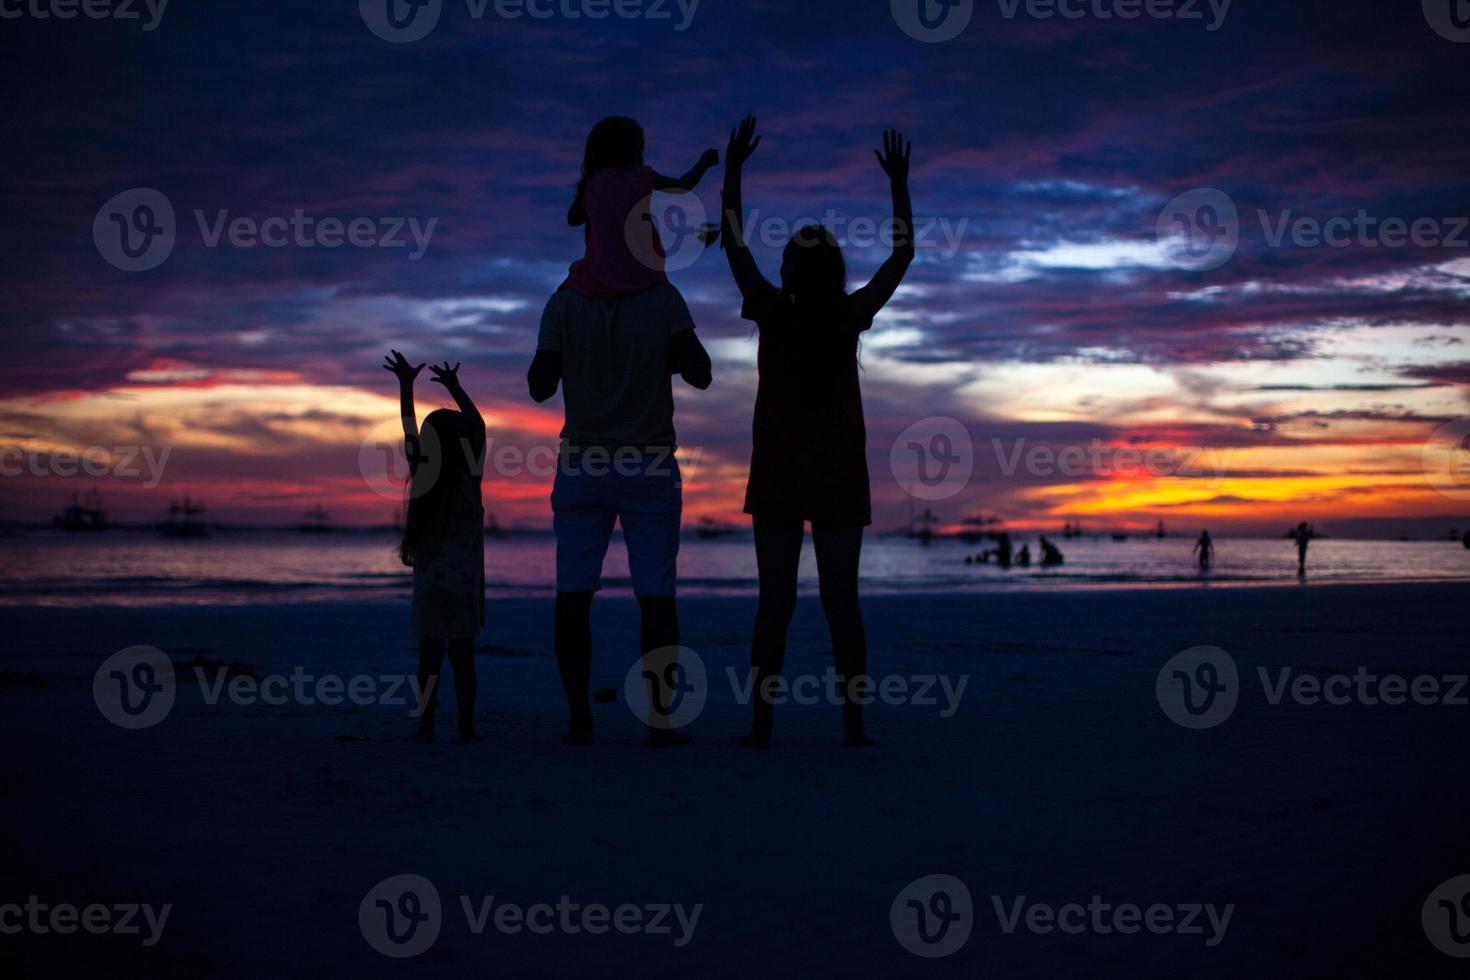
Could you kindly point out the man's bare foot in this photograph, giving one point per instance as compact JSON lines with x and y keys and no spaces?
{"x":857,"y":740}
{"x":578,"y":737}
{"x":469,"y":738}
{"x":663,"y":738}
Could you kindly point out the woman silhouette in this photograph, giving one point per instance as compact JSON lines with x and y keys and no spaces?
{"x":809,"y":447}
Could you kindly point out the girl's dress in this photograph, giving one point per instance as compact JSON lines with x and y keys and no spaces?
{"x":624,"y":252}
{"x":449,"y":579}
{"x":808,"y":458}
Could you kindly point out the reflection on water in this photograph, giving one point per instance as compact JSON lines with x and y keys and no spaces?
{"x":134,"y":567}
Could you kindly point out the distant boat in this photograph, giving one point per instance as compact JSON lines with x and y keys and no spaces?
{"x":1161,"y":533}
{"x":185,"y":520}
{"x":974,"y":528}
{"x":83,"y":516}
{"x":924,"y":533}
{"x":1120,"y":537}
{"x":316,"y":522}
{"x":710,"y":529}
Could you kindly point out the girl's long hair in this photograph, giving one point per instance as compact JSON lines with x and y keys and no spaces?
{"x":616,"y":141}
{"x":441,"y":461}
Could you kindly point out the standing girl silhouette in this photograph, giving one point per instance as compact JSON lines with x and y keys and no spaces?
{"x":809,"y":445}
{"x":444,"y":539}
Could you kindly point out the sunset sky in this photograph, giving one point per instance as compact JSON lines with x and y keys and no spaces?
{"x":1302,"y":381}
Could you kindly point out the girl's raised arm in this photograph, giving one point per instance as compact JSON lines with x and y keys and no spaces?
{"x":895,"y":163}
{"x":743,"y":142}
{"x":406,"y":373}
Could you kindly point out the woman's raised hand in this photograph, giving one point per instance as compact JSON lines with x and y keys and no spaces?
{"x":894,"y":159}
{"x":446,"y":375}
{"x":743,"y":142}
{"x":399,"y":365}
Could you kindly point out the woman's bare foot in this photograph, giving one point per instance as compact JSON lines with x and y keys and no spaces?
{"x":664,"y":738}
{"x":857,"y":740}
{"x":755,"y":740}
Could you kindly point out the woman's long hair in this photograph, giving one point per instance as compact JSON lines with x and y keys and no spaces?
{"x":440,"y":463}
{"x":616,"y":141}
{"x":812,"y":267}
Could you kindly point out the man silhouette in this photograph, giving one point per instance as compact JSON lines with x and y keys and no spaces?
{"x":614,"y":358}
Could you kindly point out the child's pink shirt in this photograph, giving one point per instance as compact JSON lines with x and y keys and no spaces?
{"x":624,"y":252}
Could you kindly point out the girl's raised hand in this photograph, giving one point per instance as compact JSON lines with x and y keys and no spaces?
{"x":399,"y":365}
{"x":743,"y":142}
{"x":895,"y":156}
{"x":446,"y":375}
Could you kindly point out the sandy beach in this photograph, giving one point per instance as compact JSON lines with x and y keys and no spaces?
{"x":1057,"y":776}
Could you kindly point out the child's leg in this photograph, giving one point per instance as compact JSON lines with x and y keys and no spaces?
{"x":462,"y":659}
{"x":838,"y":550}
{"x":777,"y":557}
{"x":431,"y":658}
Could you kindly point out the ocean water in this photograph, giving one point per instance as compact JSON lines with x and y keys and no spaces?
{"x":137,"y":567}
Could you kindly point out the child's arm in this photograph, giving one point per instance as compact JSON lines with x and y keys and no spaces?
{"x":406,"y":373}
{"x":449,"y":378}
{"x":742,"y":264}
{"x":689,"y":360}
{"x":691,"y":179}
{"x":895,"y":163}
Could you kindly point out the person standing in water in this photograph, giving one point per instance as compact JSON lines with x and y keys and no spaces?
{"x":1302,"y":534}
{"x":1205,"y":548}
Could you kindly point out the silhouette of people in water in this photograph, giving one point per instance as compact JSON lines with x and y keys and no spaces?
{"x":1302,"y":535}
{"x":612,"y":337}
{"x":444,"y":538}
{"x":808,"y":457}
{"x":1023,"y":557}
{"x":1205,"y":549}
{"x":1003,"y":551}
{"x":1051,"y":555}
